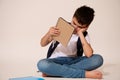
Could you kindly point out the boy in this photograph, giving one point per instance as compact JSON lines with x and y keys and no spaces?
{"x":68,"y":61}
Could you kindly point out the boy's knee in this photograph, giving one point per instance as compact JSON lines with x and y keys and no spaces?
{"x":43,"y":65}
{"x":97,"y":60}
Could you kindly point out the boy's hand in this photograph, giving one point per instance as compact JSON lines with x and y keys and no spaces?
{"x":79,"y":30}
{"x":54,"y":31}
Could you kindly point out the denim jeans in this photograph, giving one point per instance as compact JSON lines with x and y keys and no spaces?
{"x":70,"y":67}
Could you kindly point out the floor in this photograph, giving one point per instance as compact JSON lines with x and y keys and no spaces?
{"x":110,"y":72}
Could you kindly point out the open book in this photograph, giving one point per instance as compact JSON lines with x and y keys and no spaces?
{"x":66,"y":31}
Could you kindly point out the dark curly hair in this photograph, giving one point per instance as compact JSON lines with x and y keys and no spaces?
{"x":84,"y":15}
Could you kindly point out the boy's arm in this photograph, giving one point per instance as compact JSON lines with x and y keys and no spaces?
{"x":48,"y":37}
{"x":88,"y":51}
{"x":45,"y":40}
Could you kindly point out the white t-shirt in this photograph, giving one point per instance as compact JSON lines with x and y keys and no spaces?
{"x":70,"y":50}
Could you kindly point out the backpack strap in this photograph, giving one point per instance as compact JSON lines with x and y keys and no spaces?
{"x":52,"y":48}
{"x":79,"y":45}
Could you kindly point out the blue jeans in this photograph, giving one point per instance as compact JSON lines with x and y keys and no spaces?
{"x":70,"y":67}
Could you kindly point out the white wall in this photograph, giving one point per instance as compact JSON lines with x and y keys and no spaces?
{"x":24,"y":22}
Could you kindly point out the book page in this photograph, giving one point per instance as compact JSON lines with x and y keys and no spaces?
{"x":66,"y":31}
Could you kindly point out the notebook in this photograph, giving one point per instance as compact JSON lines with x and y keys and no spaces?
{"x":66,"y":31}
{"x":27,"y":78}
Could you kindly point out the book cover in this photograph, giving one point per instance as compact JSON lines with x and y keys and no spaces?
{"x":27,"y":78}
{"x":66,"y":31}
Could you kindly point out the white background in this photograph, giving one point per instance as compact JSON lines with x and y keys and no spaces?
{"x":24,"y":22}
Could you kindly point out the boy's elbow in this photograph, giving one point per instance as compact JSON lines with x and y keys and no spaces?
{"x":42,"y":45}
{"x":89,"y":54}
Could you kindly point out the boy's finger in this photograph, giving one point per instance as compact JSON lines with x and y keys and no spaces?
{"x":56,"y":28}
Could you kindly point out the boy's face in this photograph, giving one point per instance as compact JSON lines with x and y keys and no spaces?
{"x":77,"y":25}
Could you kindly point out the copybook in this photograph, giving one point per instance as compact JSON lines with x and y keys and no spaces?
{"x":66,"y":31}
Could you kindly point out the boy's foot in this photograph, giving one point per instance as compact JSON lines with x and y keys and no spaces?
{"x":93,"y":74}
{"x":44,"y":75}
